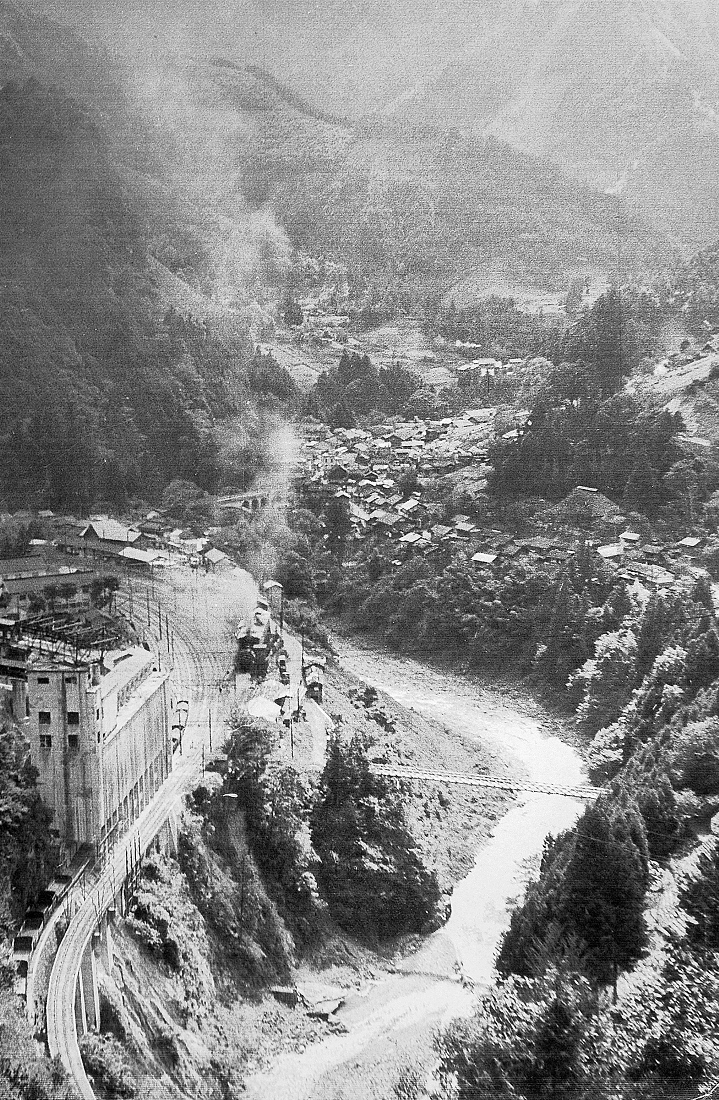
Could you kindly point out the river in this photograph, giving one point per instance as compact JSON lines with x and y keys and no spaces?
{"x":390,"y":1022}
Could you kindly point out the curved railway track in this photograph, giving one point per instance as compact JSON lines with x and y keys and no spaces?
{"x":195,"y":672}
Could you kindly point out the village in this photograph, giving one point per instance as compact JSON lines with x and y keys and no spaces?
{"x":446,"y":459}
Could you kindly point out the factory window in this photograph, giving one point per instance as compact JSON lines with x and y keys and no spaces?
{"x":71,"y":679}
{"x":27,"y":707}
{"x":43,"y":679}
{"x":73,"y":718}
{"x":45,"y":741}
{"x":73,"y":741}
{"x":44,"y":717}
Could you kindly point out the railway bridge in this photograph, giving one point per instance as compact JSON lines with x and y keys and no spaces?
{"x":72,"y":1006}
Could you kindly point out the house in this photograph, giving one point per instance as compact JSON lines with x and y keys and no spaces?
{"x":338,"y":474}
{"x":134,"y":556}
{"x":483,"y":558}
{"x":689,"y":543}
{"x":650,"y":574}
{"x":385,"y":519}
{"x":611,"y":551}
{"x":109,"y":536}
{"x":213,"y":558}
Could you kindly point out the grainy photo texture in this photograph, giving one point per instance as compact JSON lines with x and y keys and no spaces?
{"x":359,"y":550}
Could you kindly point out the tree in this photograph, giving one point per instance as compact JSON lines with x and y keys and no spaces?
{"x":36,"y":605}
{"x":642,"y":491}
{"x":26,"y":854}
{"x":606,"y":680}
{"x":408,"y":483}
{"x":700,"y":898}
{"x":539,"y":1040}
{"x":187,"y":502}
{"x":250,"y":743}
{"x":605,"y":885}
{"x":374,"y":881}
{"x":564,"y":647}
{"x":291,"y":310}
{"x":342,"y":415}
{"x":66,"y":592}
{"x":339,"y":526}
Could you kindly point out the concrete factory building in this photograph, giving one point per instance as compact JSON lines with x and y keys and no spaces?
{"x":100,"y":740}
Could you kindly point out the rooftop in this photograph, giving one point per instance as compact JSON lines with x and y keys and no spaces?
{"x":109,"y":530}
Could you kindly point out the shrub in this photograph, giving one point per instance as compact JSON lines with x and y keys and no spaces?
{"x":104,"y":1061}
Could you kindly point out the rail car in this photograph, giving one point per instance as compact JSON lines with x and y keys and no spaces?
{"x":254,"y":637}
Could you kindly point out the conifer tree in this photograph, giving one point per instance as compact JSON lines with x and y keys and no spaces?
{"x":375,"y":884}
{"x":604,"y":895}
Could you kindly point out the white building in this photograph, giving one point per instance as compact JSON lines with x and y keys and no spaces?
{"x":99,"y":736}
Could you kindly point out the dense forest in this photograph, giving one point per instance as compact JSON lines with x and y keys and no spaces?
{"x":650,"y":697}
{"x":111,"y":387}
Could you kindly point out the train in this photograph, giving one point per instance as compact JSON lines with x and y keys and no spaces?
{"x":35,"y":920}
{"x":255,"y":637}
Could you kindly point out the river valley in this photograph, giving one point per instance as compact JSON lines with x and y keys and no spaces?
{"x":390,"y":1022}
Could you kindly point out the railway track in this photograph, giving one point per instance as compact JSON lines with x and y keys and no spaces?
{"x":194,"y":674}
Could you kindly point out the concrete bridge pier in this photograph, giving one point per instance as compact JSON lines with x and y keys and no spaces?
{"x":168,"y":836}
{"x":106,"y":946}
{"x":87,"y":996}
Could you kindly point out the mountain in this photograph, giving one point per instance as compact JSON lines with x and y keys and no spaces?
{"x":621,"y":94}
{"x":403,"y":205}
{"x":32,"y":46}
{"x":125,"y":321}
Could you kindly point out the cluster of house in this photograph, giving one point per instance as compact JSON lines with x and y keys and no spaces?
{"x":483,"y":373}
{"x":63,"y":567}
{"x":367,"y":467}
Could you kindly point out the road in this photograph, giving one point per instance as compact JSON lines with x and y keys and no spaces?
{"x":677,"y":379}
{"x":200,"y":666}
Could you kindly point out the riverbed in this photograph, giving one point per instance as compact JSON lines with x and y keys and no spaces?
{"x":390,"y":1022}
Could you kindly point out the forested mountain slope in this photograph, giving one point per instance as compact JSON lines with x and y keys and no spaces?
{"x":409,"y":206}
{"x":622,"y":93}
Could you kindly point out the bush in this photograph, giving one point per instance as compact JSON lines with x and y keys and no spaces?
{"x":370,"y":872}
{"x":104,"y":1061}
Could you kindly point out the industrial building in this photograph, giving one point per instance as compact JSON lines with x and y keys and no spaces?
{"x":100,"y":739}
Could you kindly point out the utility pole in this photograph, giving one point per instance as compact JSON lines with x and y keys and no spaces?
{"x":209,"y":716}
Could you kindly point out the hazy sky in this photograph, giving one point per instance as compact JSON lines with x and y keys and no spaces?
{"x":348,"y":55}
